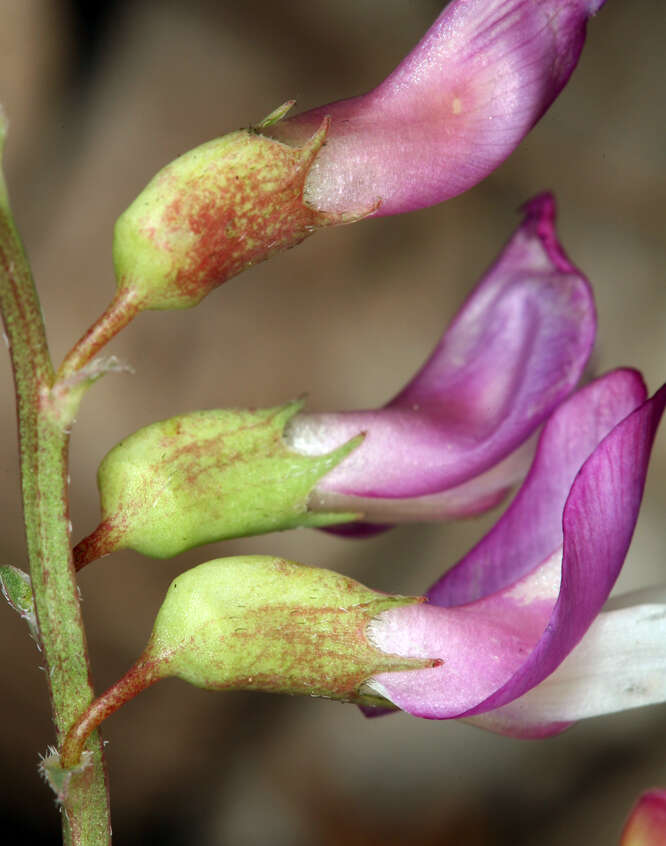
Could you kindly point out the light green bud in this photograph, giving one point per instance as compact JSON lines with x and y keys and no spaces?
{"x":204,"y":477}
{"x":263,"y":623}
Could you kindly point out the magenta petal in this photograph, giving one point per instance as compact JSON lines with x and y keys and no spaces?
{"x":455,"y":108}
{"x":479,"y":494}
{"x":598,"y":523}
{"x":515,"y":350}
{"x":500,"y":646}
{"x":531,"y":528}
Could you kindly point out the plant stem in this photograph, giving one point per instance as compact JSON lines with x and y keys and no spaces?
{"x":43,"y":456}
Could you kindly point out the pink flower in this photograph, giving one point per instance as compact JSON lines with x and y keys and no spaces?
{"x":457,"y":437}
{"x":517,"y":623}
{"x":446,"y":117}
{"x":647,"y":824}
{"x":451,"y":112}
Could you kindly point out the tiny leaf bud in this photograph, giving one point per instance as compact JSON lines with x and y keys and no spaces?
{"x":204,"y":477}
{"x":215,"y":211}
{"x":17,"y":589}
{"x":60,"y":778}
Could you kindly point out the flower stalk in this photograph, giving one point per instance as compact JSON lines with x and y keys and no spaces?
{"x":43,"y":443}
{"x":139,"y":677}
{"x":118,"y":314}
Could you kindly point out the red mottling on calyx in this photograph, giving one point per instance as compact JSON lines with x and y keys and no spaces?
{"x":214,"y":212}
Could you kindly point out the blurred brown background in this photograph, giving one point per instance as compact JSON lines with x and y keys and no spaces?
{"x":102,"y":95}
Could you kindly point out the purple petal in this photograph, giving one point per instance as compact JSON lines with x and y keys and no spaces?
{"x":598,"y":523}
{"x":455,"y":108}
{"x":515,"y":350}
{"x":531,"y":528}
{"x":497,"y":648}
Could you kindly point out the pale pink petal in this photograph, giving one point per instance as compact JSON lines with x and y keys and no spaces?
{"x":481,"y":645}
{"x":453,"y":110}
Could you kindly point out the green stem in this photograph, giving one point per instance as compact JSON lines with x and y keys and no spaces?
{"x":43,"y":455}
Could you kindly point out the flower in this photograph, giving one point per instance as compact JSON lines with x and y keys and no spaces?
{"x":646,"y":825}
{"x":451,"y":112}
{"x":446,"y":117}
{"x":456,"y":438}
{"x":524,"y":603}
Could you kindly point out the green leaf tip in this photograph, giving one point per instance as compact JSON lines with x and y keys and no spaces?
{"x":263,"y":623}
{"x":214,"y":212}
{"x":17,"y":589}
{"x":276,"y":115}
{"x":204,"y":477}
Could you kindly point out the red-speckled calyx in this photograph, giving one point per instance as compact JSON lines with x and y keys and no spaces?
{"x":214,"y":212}
{"x":256,"y":622}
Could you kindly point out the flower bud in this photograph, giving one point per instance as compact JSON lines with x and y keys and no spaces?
{"x":215,"y":211}
{"x":203,"y":477}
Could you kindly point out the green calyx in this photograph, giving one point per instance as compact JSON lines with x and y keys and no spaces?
{"x":263,"y":623}
{"x":204,"y":477}
{"x":213,"y":212}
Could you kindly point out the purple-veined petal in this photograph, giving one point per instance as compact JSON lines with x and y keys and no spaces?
{"x":514,"y":351}
{"x":646,"y":825}
{"x":519,"y":642}
{"x":619,"y":664}
{"x":451,"y":112}
{"x":531,"y":528}
{"x":598,"y":523}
